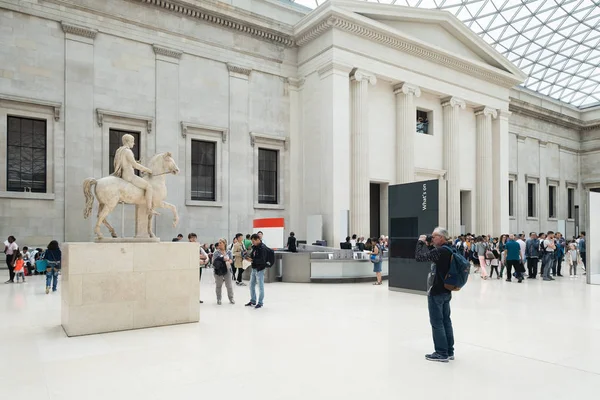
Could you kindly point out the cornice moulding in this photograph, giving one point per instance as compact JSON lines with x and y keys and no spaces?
{"x":337,"y":19}
{"x":256,"y":137}
{"x":237,"y":69}
{"x":216,"y":13}
{"x":79,"y":30}
{"x":27,"y":100}
{"x":518,"y":106}
{"x":186,"y":126}
{"x":101,"y":114}
{"x":165,"y":51}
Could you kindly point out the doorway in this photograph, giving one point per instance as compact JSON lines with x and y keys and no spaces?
{"x":466,"y":212}
{"x":375,"y":210}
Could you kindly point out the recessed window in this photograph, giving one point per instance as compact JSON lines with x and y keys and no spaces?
{"x":511,"y":198}
{"x":571,"y":202}
{"x":551,"y":201}
{"x":531,"y":200}
{"x":115,"y":141}
{"x":203,"y":170}
{"x":267,"y":176}
{"x":26,"y":155}
{"x":423,"y":124}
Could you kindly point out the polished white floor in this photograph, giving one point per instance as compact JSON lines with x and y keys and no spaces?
{"x":535,"y":340}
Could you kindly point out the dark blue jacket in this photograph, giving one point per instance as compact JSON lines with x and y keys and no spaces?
{"x":532,"y":248}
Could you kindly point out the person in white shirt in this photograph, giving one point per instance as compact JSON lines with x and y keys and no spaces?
{"x":11,"y":248}
{"x":353,"y":241}
{"x":548,"y":258}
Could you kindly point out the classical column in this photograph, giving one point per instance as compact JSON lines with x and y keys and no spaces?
{"x":82,"y":148}
{"x":359,"y":162}
{"x":452,"y":154}
{"x":406,"y":129}
{"x":296,"y":198}
{"x":484,"y":188}
{"x":500,"y":166}
{"x":167,"y":120}
{"x":238,"y":186}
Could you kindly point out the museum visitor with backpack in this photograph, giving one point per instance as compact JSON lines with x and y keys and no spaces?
{"x":261,"y":257}
{"x":449,"y":272}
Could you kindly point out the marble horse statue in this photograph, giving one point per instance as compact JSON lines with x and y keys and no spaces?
{"x":123,"y":186}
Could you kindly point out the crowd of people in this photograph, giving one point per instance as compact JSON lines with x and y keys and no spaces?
{"x":514,"y":251}
{"x":23,"y":262}
{"x":229,"y":260}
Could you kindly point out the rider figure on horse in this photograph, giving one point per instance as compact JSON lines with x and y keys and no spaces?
{"x":124,"y":168}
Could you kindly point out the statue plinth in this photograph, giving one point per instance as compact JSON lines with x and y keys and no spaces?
{"x":128,"y":240}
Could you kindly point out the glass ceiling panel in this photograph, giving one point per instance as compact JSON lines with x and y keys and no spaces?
{"x":555,"y":41}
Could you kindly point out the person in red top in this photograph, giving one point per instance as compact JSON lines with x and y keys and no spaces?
{"x":19,"y":268}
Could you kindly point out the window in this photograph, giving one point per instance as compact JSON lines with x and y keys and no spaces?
{"x":551,"y":201}
{"x":571,"y":203}
{"x":114,"y":142}
{"x":531,"y":200}
{"x":203,"y":170}
{"x":423,"y":122}
{"x":267,"y":176}
{"x":26,"y":155}
{"x":511,"y":198}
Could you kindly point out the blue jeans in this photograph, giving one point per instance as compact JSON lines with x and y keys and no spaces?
{"x":260,"y":277}
{"x":52,"y":276}
{"x":441,"y":325}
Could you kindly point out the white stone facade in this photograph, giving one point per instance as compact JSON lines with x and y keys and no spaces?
{"x":264,"y":74}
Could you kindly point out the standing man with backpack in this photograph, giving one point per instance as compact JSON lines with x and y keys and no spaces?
{"x":432,"y":248}
{"x":261,"y":257}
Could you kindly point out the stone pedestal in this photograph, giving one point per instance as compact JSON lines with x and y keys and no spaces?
{"x":108,"y":287}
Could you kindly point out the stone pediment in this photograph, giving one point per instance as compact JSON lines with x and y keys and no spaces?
{"x":430,"y":34}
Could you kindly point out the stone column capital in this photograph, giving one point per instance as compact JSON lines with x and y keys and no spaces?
{"x":360,"y":75}
{"x":454,"y":102}
{"x":407,"y":88}
{"x":485,"y":111}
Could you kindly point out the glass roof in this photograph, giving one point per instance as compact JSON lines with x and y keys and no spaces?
{"x":555,"y":42}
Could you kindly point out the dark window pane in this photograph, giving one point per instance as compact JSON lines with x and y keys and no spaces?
{"x":570,"y":201}
{"x":115,"y":141}
{"x":203,"y":170}
{"x":26,"y":155}
{"x":511,"y":198}
{"x":531,"y":199}
{"x":551,"y":202}
{"x":267,"y":176}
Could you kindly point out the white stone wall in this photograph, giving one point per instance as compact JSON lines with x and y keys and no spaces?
{"x":546,"y":154}
{"x":118,"y":70}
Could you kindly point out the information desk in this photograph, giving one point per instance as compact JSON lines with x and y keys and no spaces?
{"x":320,"y":267}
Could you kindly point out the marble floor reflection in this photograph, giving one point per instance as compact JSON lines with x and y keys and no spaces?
{"x":535,"y":340}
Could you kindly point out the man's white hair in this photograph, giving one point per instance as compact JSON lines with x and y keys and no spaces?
{"x":442,"y":232}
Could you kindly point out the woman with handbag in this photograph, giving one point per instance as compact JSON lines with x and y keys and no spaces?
{"x":221,"y":260}
{"x":53,"y":256}
{"x":377,"y":260}
{"x":239,"y":256}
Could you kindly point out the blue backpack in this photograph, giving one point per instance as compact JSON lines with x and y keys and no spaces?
{"x":458,"y":274}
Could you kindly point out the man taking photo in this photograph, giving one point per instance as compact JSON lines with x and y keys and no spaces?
{"x":438,"y":297}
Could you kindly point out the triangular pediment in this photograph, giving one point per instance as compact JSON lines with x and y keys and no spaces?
{"x":437,"y":35}
{"x":435,"y":28}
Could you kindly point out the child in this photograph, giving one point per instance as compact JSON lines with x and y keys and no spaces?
{"x":19,"y":268}
{"x":573,"y":259}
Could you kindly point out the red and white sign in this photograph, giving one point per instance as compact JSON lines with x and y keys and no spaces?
{"x":272,"y":229}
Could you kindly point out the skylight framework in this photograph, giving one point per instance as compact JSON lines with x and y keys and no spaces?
{"x":555,"y":42}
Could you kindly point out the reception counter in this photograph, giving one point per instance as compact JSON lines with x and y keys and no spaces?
{"x":322,"y":267}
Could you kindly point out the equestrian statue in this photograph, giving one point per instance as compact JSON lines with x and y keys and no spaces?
{"x":147,"y":193}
